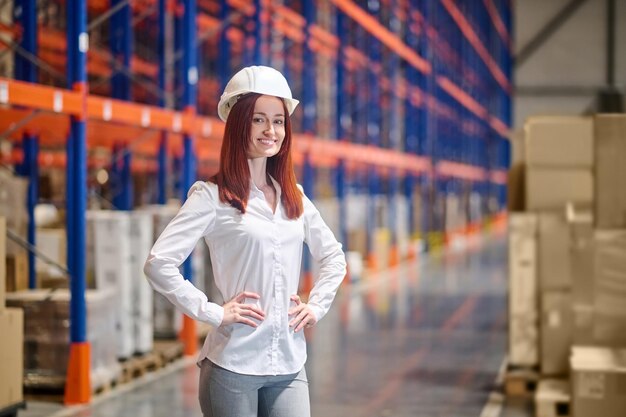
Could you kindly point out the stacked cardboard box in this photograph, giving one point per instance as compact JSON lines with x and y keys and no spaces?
{"x":46,"y":335}
{"x":547,"y":180}
{"x":573,"y":183}
{"x":12,"y":331}
{"x":598,"y":382}
{"x":523,"y":317}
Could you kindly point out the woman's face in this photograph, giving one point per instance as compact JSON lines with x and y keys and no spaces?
{"x":268,"y":127}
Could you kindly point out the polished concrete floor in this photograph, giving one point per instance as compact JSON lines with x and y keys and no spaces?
{"x":427,"y":338}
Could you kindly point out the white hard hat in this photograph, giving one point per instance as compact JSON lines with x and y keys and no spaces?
{"x":255,"y":79}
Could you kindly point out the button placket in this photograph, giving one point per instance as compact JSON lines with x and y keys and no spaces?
{"x":278,"y":296}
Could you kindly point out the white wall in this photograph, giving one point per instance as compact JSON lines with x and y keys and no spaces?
{"x":574,"y":56}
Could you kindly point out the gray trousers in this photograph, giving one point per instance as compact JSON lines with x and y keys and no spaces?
{"x":228,"y":394}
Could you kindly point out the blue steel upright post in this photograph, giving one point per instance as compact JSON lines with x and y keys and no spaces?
{"x":189,"y":78}
{"x":121,"y":41}
{"x":223,"y":62}
{"x":372,"y":121}
{"x":78,"y":385}
{"x":308,"y":123}
{"x":342,"y":116}
{"x":163,"y":144}
{"x":25,"y":70}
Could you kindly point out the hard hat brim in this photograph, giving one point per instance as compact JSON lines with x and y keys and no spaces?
{"x":227,"y":102}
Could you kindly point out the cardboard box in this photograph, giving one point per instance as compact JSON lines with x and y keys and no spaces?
{"x":516,"y":188}
{"x":17,"y":272}
{"x":549,"y":188}
{"x":523,"y":263}
{"x":610,"y":171}
{"x":598,"y":382}
{"x":523,"y":299}
{"x":552,"y":398}
{"x":3,"y":271}
{"x":523,"y":348}
{"x":556,"y":332}
{"x":548,"y":136}
{"x":11,"y":356}
{"x":581,"y":256}
{"x":610,"y":287}
{"x":554,"y":252}
{"x":583,"y":316}
{"x":47,"y":334}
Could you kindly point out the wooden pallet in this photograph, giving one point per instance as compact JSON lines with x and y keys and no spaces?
{"x":139,"y":365}
{"x":521,"y":382}
{"x":51,"y":388}
{"x":168,"y":350}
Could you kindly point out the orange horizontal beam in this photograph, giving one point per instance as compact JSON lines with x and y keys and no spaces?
{"x":207,"y":23}
{"x":58,"y":159}
{"x":462,"y":97}
{"x":498,"y":23}
{"x":458,"y":170}
{"x":292,"y":32}
{"x":498,"y":177}
{"x":244,"y":6}
{"x":474,"y":40}
{"x":388,"y":38}
{"x":324,"y":36}
{"x":290,"y":15}
{"x":40,"y":97}
{"x":36,"y":96}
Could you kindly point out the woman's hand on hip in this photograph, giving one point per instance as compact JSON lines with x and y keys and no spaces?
{"x":304,"y":316}
{"x":236,"y":311}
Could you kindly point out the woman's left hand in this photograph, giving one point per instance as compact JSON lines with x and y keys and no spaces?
{"x":304,"y":316}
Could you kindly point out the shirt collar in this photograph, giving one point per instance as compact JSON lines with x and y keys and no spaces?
{"x":256,"y":190}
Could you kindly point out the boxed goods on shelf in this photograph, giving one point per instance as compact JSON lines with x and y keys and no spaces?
{"x":552,"y":398}
{"x":556,"y":332}
{"x":47,"y":334}
{"x":610,"y":171}
{"x":547,"y":137}
{"x":609,"y":284}
{"x":112,"y":266}
{"x":598,"y":381}
{"x":554,"y":252}
{"x":3,"y":272}
{"x":523,"y":317}
{"x":11,"y":356}
{"x":141,"y":235}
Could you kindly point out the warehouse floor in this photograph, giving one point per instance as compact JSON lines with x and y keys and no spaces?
{"x":425,"y":339}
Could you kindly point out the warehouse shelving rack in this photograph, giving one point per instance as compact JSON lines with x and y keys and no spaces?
{"x":421,"y":104}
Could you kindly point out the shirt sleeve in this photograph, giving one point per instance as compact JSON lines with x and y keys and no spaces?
{"x":326,"y":250}
{"x":194,"y":220}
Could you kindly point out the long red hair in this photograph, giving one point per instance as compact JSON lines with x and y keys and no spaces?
{"x":233,"y":177}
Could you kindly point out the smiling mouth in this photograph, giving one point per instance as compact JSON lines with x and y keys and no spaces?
{"x":267,"y":141}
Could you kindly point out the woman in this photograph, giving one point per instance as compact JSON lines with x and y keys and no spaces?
{"x":254,"y":218}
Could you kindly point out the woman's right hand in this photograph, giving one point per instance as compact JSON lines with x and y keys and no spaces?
{"x":235,"y":311}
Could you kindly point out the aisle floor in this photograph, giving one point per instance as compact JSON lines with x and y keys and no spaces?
{"x":427,"y":338}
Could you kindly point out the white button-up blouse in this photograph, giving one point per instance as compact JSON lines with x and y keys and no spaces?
{"x":259,"y":251}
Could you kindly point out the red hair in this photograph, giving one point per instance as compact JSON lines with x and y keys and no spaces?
{"x":233,"y":177}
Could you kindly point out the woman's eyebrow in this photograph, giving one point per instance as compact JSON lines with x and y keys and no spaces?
{"x":264,"y":114}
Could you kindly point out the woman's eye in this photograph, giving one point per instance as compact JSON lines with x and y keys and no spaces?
{"x":258,"y":120}
{"x":279,"y":122}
